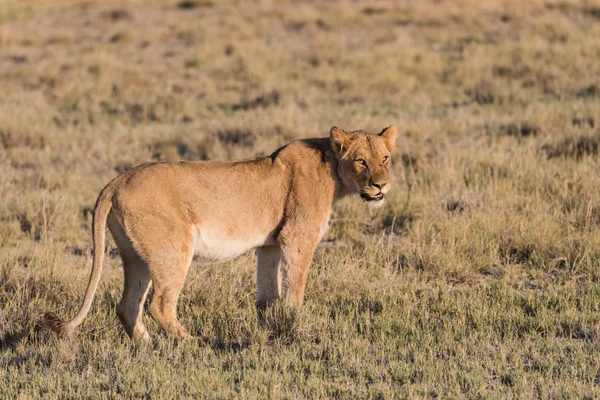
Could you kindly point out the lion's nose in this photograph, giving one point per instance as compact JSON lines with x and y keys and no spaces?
{"x":379,"y":185}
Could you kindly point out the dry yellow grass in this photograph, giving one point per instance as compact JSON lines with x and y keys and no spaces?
{"x":479,"y":278}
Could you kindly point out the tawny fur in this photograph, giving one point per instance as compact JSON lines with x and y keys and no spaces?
{"x":161,"y":214}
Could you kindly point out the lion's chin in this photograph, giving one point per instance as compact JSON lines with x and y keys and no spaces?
{"x":375,"y":203}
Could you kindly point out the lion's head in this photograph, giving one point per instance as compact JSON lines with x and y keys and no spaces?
{"x":364,"y":161}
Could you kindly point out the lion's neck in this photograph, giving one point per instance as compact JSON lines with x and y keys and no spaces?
{"x":341,"y":189}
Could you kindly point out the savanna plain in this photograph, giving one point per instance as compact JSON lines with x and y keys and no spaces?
{"x":478,"y":278}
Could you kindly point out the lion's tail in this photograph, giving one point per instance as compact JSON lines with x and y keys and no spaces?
{"x":50,"y":320}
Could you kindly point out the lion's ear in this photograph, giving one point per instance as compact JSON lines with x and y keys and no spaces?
{"x":339,"y":139}
{"x":389,"y":137}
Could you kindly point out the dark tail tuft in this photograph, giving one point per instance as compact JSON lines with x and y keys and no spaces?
{"x":52,"y":322}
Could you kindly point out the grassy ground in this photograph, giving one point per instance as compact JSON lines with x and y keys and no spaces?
{"x":479,"y":277}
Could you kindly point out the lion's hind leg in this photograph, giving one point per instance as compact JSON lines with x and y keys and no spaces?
{"x":168,"y":277}
{"x":130,"y":308}
{"x":164,"y":308}
{"x":136,"y":285}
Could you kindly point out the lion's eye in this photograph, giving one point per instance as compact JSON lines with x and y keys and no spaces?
{"x":361,"y":162}
{"x":385,"y":159}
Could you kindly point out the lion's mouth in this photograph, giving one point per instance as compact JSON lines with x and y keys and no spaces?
{"x":367,"y":197}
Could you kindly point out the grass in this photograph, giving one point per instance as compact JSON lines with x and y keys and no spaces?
{"x":478,"y":278}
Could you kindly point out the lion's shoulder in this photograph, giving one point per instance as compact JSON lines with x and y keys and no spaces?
{"x":304,"y":152}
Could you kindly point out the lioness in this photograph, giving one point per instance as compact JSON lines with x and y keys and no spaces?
{"x":161,"y":214}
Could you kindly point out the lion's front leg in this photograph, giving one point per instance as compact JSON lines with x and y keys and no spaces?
{"x":267,"y":279}
{"x":295,"y":261}
{"x":305,"y":221}
{"x":281,"y":274}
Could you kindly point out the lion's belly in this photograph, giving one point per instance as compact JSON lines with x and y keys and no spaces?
{"x":214,"y":244}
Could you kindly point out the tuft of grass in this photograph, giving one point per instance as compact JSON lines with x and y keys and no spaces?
{"x":191,"y":4}
{"x":288,"y":326}
{"x":573,"y":147}
{"x":118,"y":14}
